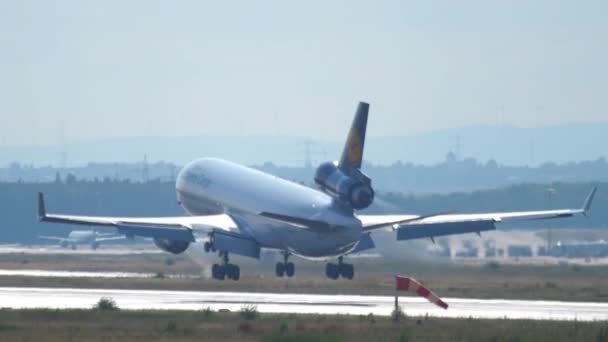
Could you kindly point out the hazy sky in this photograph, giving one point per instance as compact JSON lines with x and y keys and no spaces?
{"x":132,"y":68}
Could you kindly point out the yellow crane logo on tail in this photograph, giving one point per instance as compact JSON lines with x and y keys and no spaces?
{"x":355,"y":148}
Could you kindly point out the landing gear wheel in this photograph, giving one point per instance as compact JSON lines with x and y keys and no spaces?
{"x":207,"y":247}
{"x":229,"y":270}
{"x":221,"y":274}
{"x":237,"y":273}
{"x":279,"y":270}
{"x":218,"y":272}
{"x":290,"y":269}
{"x":233,"y":272}
{"x":332,"y":271}
{"x":347,"y":271}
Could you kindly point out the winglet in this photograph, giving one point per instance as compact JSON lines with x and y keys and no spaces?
{"x":41,"y":207}
{"x":588,"y":201}
{"x":352,"y":155}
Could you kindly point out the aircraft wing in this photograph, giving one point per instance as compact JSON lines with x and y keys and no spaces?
{"x":54,"y":238}
{"x":110,"y":238}
{"x":174,"y":228}
{"x":414,"y":227}
{"x":105,"y":234}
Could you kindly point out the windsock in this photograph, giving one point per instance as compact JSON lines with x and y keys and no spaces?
{"x":411,"y":285}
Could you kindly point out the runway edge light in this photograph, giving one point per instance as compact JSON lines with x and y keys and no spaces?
{"x":409,"y":284}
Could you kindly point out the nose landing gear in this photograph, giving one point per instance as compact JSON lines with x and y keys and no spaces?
{"x":334,"y":271}
{"x":209,"y":247}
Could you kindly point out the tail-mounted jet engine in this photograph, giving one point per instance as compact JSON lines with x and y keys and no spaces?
{"x":355,"y":188}
{"x":171,"y":246}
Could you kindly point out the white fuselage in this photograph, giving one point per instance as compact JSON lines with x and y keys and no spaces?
{"x":81,"y":236}
{"x":213,"y":186}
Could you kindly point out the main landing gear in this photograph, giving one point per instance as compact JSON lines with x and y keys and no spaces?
{"x":334,"y":271}
{"x":285,"y":268}
{"x":225,"y":269}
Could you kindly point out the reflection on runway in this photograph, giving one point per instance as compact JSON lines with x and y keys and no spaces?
{"x":21,"y":297}
{"x":73,"y":274}
{"x":103,"y":250}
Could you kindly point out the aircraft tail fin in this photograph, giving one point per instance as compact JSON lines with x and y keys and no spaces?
{"x":352,"y":155}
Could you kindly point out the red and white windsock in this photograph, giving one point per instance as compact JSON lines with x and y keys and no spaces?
{"x":411,"y":285}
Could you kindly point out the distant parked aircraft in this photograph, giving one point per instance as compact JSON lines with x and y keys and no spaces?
{"x":243,"y":210}
{"x":81,"y":237}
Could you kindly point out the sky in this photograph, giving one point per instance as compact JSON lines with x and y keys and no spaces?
{"x":87,"y":70}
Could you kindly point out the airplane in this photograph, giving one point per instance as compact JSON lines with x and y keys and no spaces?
{"x":241,"y":211}
{"x":77,"y":237}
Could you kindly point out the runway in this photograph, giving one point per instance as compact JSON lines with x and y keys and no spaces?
{"x":60,"y":298}
{"x":74,"y":274}
{"x":129,"y":249}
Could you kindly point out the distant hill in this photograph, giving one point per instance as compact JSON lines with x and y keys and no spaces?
{"x":507,"y":144}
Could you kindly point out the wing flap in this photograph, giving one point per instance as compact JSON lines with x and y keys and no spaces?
{"x":417,"y":231}
{"x":396,"y":221}
{"x":54,"y":238}
{"x":176,"y":234}
{"x":236,"y":243}
{"x":110,"y":238}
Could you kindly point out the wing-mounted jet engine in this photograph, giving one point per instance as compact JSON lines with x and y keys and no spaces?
{"x":344,"y":180}
{"x":171,"y":246}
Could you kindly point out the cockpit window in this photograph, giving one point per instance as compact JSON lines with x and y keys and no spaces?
{"x":198,"y":177}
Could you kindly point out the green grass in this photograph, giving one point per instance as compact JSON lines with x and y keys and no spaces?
{"x":95,"y":325}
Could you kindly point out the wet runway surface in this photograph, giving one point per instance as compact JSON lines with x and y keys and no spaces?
{"x":73,"y":274}
{"x":82,"y":249}
{"x":12,"y":297}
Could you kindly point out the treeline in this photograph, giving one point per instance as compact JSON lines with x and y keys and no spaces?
{"x":18,"y":213}
{"x":452,"y":175}
{"x":456,"y":175}
{"x":522,"y":197}
{"x":18,"y":204}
